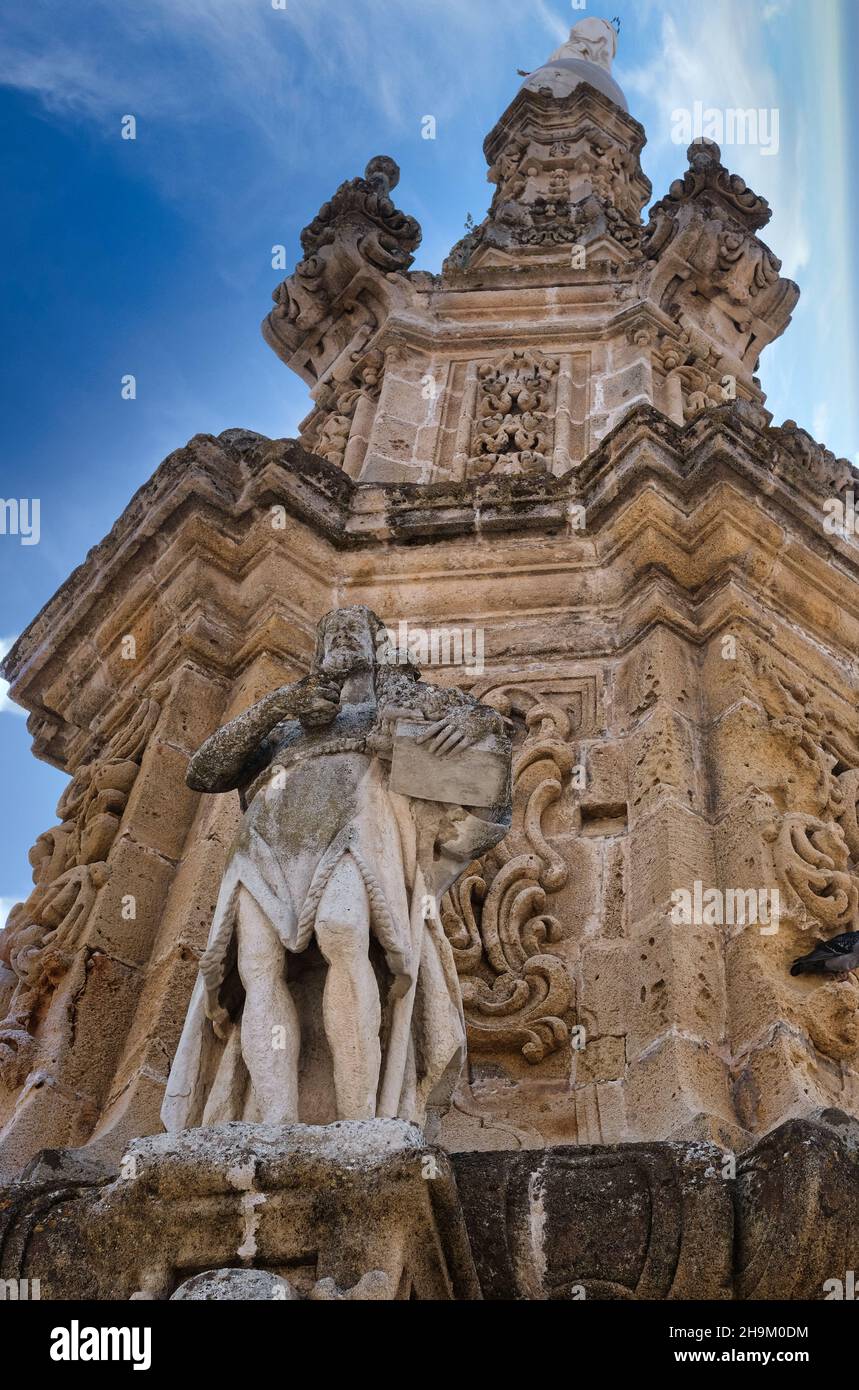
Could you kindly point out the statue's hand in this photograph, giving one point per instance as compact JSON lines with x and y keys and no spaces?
{"x":391,"y":712}
{"x":315,"y":700}
{"x":221,"y":1022}
{"x":382,"y":739}
{"x":445,"y":736}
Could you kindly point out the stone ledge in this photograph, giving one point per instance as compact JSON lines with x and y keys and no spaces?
{"x":367,"y":1210}
{"x":239,"y":471}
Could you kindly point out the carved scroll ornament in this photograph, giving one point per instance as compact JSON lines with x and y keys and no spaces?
{"x":515,"y":992}
{"x":43,"y":935}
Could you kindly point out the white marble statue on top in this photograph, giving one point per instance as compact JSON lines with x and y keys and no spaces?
{"x":586,"y":56}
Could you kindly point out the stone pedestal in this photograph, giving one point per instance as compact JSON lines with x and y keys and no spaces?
{"x":354,"y":1210}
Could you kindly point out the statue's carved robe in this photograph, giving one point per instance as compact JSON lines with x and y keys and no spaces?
{"x":324,"y":795}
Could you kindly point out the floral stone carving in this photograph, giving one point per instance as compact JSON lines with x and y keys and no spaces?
{"x":513,"y":431}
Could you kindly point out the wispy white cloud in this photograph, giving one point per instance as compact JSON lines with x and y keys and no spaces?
{"x":316,"y":87}
{"x":820,"y":421}
{"x":97,"y":57}
{"x":298,"y":90}
{"x":6,"y":705}
{"x":726,"y":65}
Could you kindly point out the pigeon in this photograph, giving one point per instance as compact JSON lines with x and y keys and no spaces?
{"x":838,"y":955}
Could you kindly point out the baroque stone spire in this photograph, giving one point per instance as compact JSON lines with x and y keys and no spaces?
{"x":553,"y":317}
{"x":564,"y":158}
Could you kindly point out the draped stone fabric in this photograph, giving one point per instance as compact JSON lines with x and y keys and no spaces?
{"x":301,"y":821}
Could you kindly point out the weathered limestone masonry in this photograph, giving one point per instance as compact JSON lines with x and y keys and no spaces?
{"x":560,"y":440}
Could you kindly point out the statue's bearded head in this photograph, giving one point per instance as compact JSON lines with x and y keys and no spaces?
{"x":347,"y":641}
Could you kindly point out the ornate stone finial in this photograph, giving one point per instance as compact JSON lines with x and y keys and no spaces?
{"x":382,"y":173}
{"x":703,"y":151}
{"x":358,"y":231}
{"x":586,"y":56}
{"x":708,"y":181}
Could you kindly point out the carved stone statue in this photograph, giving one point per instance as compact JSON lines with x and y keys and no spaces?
{"x":586,"y":56}
{"x":592,"y":39}
{"x":328,"y":988}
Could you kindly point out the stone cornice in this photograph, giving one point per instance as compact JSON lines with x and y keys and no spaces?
{"x":229,"y":480}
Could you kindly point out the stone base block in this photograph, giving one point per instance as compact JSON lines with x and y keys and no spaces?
{"x":629,"y":1221}
{"x":361,"y":1209}
{"x":797,"y":1205}
{"x":669,"y":1220}
{"x":368,"y":1211}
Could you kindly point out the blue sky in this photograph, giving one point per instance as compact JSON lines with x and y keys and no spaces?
{"x":153,"y":256}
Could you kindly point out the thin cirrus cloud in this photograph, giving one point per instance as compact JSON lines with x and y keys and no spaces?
{"x":233,"y":97}
{"x":726,"y":65}
{"x":98,"y":59}
{"x":774,"y":59}
{"x":96,"y":56}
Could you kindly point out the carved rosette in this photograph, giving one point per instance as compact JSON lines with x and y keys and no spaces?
{"x":514,"y":428}
{"x":515,"y":992}
{"x":43,"y":935}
